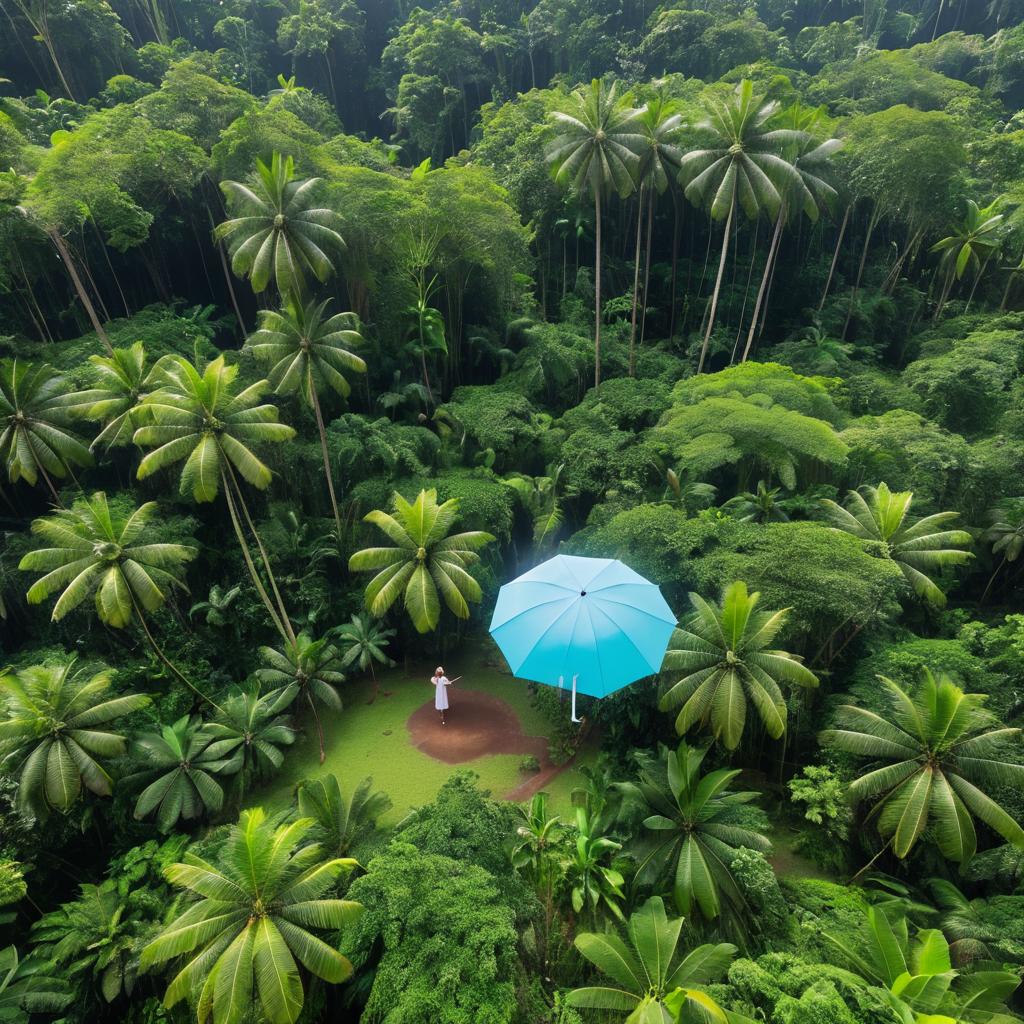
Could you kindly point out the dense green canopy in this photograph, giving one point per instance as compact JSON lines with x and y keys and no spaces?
{"x":321,"y":321}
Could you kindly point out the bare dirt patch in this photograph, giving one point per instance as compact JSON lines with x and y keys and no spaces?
{"x":477,"y":724}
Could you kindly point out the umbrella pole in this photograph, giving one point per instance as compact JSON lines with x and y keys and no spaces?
{"x":573,"y":713}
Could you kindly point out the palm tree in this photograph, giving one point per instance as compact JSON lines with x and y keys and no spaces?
{"x":723,"y":649}
{"x":937,"y":754}
{"x":120,"y":381}
{"x":305,"y":668}
{"x":251,"y":727}
{"x":308,"y":351}
{"x":652,"y":982}
{"x":1006,"y":535}
{"x":694,"y":830}
{"x":179,"y":767}
{"x":807,"y":191}
{"x":95,"y":935}
{"x":216,"y":609}
{"x":52,"y":733}
{"x":341,"y":821}
{"x":95,"y":553}
{"x":539,"y":495}
{"x":536,"y":845}
{"x":918,"y":547}
{"x":279,"y":231}
{"x":594,"y":880}
{"x":538,"y":853}
{"x":1014,"y":273}
{"x":660,"y":157}
{"x":252,"y":917}
{"x":29,"y":986}
{"x":363,"y":640}
{"x":971,"y":245}
{"x":36,"y":419}
{"x":424,"y":560}
{"x":598,"y":139}
{"x":689,"y":494}
{"x":741,"y":165}
{"x":761,"y":506}
{"x":199,"y":418}
{"x":915,"y":978}
{"x":971,"y":926}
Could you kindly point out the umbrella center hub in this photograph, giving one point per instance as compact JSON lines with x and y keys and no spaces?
{"x":583,"y":593}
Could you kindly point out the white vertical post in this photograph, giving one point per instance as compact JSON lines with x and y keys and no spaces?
{"x":573,"y":714}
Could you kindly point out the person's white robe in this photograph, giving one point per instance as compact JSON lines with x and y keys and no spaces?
{"x":441,"y":692}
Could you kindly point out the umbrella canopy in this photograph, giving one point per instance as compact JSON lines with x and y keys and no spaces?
{"x":590,"y":620}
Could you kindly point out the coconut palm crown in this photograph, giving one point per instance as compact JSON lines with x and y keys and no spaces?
{"x":724,"y":651}
{"x":202,"y":419}
{"x":251,"y":923}
{"x":647,"y":974}
{"x":279,"y":232}
{"x":937,"y":753}
{"x":424,"y":561}
{"x":307,"y":349}
{"x":974,"y":241}
{"x":36,"y":420}
{"x":919,"y":547}
{"x":693,"y":828}
{"x":95,"y":550}
{"x":53,"y":733}
{"x":120,"y":381}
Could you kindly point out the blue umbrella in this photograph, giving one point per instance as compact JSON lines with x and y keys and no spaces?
{"x":592,"y":620}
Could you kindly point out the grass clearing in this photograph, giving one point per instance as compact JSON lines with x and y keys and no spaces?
{"x":372,"y":739}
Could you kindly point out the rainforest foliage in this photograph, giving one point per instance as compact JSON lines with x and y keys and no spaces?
{"x":321,"y":319}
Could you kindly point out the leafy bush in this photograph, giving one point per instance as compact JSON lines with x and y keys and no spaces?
{"x":437,"y":936}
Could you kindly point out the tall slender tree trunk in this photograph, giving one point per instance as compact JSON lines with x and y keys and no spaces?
{"x":675,"y":264}
{"x":426,"y":376}
{"x":718,"y":281}
{"x":772,"y":250}
{"x":110,"y":266}
{"x":30,"y":291}
{"x":894,"y":273}
{"x":315,"y":398}
{"x":991,"y":580}
{"x":158,"y":651}
{"x":947,"y":287}
{"x":250,"y":565}
{"x":319,"y":725}
{"x":835,"y":256}
{"x":227,"y":274}
{"x":69,"y":264}
{"x":974,"y":287}
{"x":44,"y":36}
{"x":95,"y":290}
{"x":647,"y":265}
{"x":746,"y":293}
{"x":1007,"y":290}
{"x":872,"y":223}
{"x":32,"y":316}
{"x":636,"y":286}
{"x":597,"y":289}
{"x":240,"y":497}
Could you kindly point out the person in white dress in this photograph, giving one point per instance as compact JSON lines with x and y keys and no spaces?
{"x":441,"y":683}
